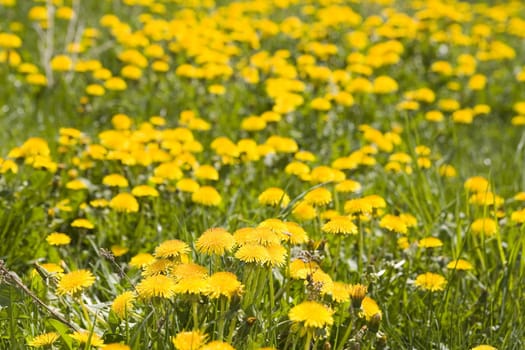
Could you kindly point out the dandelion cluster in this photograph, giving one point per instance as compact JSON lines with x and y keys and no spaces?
{"x":274,"y":174}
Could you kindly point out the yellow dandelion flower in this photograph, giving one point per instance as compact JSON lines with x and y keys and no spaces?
{"x":403,"y":243}
{"x":322,"y":280}
{"x":253,"y":253}
{"x":191,"y":340}
{"x":217,"y":345}
{"x":326,"y":174}
{"x":393,"y":223}
{"x":76,"y":185}
{"x":516,"y":120}
{"x":485,"y":199}
{"x":253,"y":123}
{"x":477,"y":184}
{"x":52,"y":268}
{"x":142,"y":259}
{"x":158,"y":267}
{"x":357,"y":206}
{"x":409,"y":219}
{"x":44,"y":339}
{"x":274,"y":196}
{"x":118,"y":250}
{"x":311,"y":315}
{"x":434,"y":116}
{"x":271,"y":117}
{"x":144,"y":191}
{"x":74,"y":282}
{"x":485,"y":226}
{"x":346,"y":186}
{"x":275,"y":225}
{"x":206,"y":172}
{"x":61,"y":63}
{"x":82,"y":223}
{"x":329,"y":214}
{"x":224,"y":284}
{"x":123,"y":304}
{"x":168,"y":171}
{"x":156,"y":286}
{"x":115,"y":180}
{"x":116,"y":346}
{"x":95,"y":90}
{"x":430,"y":242}
{"x":187,"y":185}
{"x":277,"y":255}
{"x":115,"y":84}
{"x":320,"y":104}
{"x":340,"y":225}
{"x":459,"y":264}
{"x":447,"y":170}
{"x":297,"y":168}
{"x":86,"y":337}
{"x":124,"y":202}
{"x":131,"y":72}
{"x":215,"y":241}
{"x":376,"y":201}
{"x":301,"y":270}
{"x":187,"y":270}
{"x":216,"y":89}
{"x":172,"y":248}
{"x":484,"y":347}
{"x":518,"y":216}
{"x":58,"y":238}
{"x":192,"y":285}
{"x":256,"y":235}
{"x":340,"y":292}
{"x":207,"y":196}
{"x":295,"y":233}
{"x":305,"y":156}
{"x":370,"y":309}
{"x":319,"y":196}
{"x":431,"y":281}
{"x":304,"y":211}
{"x":520,"y":196}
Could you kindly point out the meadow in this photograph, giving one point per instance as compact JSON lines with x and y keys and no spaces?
{"x":266,"y":174}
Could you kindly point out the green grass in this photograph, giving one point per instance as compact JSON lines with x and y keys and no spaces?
{"x":483,"y":305}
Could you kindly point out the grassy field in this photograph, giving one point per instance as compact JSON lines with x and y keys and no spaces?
{"x":276,"y":174}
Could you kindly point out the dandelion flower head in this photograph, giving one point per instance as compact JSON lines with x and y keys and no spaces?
{"x":190,"y":340}
{"x":74,"y":282}
{"x":431,"y":281}
{"x":311,"y":314}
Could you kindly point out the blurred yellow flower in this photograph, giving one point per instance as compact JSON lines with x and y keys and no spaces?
{"x":431,"y":282}
{"x":58,"y":238}
{"x":61,"y":63}
{"x":274,"y":196}
{"x":459,"y":264}
{"x":207,"y":196}
{"x":124,"y":202}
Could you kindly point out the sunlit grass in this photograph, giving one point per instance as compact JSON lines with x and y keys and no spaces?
{"x":265,"y":174}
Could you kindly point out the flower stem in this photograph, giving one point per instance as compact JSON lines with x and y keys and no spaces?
{"x":308,"y":340}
